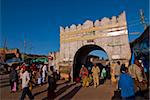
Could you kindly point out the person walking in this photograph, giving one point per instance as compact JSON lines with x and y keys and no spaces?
{"x":51,"y":83}
{"x":39,"y":77}
{"x":13,"y":79}
{"x":135,"y":70}
{"x":25,"y":86}
{"x":84,"y":76}
{"x":44,"y":71}
{"x":108,"y":69}
{"x":103,"y":74}
{"x":95,"y":73}
{"x":126,"y":84}
{"x":117,"y":73}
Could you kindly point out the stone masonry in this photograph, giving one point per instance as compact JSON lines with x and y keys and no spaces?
{"x":110,"y":34}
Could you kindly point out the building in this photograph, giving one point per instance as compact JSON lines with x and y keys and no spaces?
{"x":140,"y":47}
{"x":8,"y":54}
{"x":108,"y":34}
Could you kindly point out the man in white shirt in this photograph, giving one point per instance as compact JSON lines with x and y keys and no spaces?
{"x":44,"y":71}
{"x":25,"y":86}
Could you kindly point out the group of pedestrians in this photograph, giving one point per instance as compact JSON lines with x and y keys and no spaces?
{"x":31,"y":75}
{"x":37,"y":74}
{"x":130,"y":80}
{"x":92,"y":76}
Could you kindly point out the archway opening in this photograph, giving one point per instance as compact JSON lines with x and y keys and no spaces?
{"x":83,"y":57}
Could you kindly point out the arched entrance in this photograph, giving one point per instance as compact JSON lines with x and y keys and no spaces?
{"x":110,"y":34}
{"x":81,"y":57}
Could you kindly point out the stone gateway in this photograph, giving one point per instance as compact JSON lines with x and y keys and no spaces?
{"x":108,"y":34}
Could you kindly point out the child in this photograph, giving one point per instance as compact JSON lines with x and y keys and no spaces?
{"x":90,"y":79}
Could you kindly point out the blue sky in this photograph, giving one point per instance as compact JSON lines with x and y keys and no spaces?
{"x":38,"y":21}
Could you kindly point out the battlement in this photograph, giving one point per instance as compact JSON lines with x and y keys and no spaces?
{"x":114,"y":21}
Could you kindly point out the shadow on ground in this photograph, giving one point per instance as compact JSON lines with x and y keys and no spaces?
{"x":70,"y":94}
{"x":63,"y":89}
{"x":63,"y":83}
{"x":40,"y":92}
{"x":143,"y":95}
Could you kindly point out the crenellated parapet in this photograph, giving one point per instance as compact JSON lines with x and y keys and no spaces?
{"x":104,"y":23}
{"x":108,"y":34}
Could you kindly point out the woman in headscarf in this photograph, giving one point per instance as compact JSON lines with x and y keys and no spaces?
{"x":13,"y":79}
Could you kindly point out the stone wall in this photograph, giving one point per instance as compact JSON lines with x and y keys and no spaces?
{"x":105,"y":22}
{"x":4,"y":51}
{"x":109,"y":33}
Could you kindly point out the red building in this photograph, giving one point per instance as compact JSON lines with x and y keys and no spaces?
{"x":8,"y":54}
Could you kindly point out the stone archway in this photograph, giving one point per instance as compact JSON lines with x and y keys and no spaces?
{"x":109,"y":34}
{"x":81,"y":55}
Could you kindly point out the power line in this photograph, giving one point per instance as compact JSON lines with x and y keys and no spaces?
{"x":142,"y":17}
{"x":134,"y":21}
{"x":131,"y":25}
{"x":134,"y":33}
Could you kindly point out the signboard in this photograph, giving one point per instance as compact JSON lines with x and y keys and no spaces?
{"x":50,"y":57}
{"x":115,"y":56}
{"x":115,"y":33}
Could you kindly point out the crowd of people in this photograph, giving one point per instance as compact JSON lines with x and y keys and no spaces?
{"x":30,"y":76}
{"x":130,"y":80}
{"x":93,"y":76}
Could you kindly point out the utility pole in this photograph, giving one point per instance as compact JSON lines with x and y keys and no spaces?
{"x":5,"y":48}
{"x":2,"y":53}
{"x":24,"y":45}
{"x":142,"y":18}
{"x":5,"y":44}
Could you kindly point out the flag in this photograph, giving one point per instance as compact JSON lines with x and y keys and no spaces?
{"x":132,"y":57}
